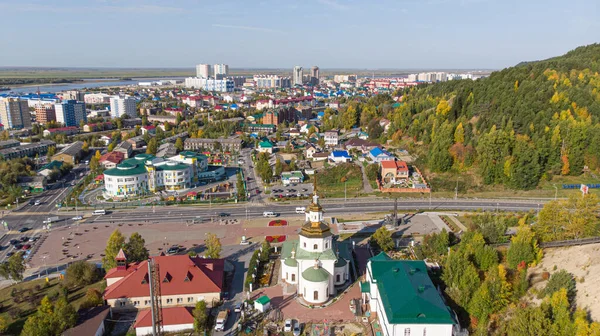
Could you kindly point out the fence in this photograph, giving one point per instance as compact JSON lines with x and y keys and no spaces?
{"x":578,"y":186}
{"x":562,"y":243}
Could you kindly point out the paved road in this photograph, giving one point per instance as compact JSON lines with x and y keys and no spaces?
{"x":179,"y":214}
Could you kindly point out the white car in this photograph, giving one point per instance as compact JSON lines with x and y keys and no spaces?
{"x":77,"y":218}
{"x":37,"y":202}
{"x":288,"y":326}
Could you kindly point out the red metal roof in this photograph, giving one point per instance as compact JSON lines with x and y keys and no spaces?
{"x":170,"y":316}
{"x":114,"y":157}
{"x":206,"y":277}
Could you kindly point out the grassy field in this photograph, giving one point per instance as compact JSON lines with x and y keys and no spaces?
{"x":16,"y":313}
{"x":331,"y":181}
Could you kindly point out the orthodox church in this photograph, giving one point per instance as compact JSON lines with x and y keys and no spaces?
{"x":316,"y":263}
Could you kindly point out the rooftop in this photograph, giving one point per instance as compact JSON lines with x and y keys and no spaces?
{"x":181,"y":274}
{"x":170,"y":316}
{"x":407,"y":293}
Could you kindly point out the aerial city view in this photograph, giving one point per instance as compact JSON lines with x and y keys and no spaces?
{"x":317,"y":167}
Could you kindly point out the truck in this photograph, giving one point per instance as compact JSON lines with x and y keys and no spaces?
{"x":221,"y":320}
{"x":51,"y":220}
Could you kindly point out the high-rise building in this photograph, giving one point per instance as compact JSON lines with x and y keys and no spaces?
{"x":221,"y":70}
{"x":210,"y":84}
{"x":70,"y":112}
{"x":271,"y":81}
{"x":121,"y":105}
{"x":74,"y":95}
{"x":14,"y":113}
{"x":45,"y":113}
{"x":314,"y":75}
{"x":297,"y":75}
{"x":203,"y":70}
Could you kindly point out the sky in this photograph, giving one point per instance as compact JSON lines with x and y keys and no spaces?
{"x":350,"y":34}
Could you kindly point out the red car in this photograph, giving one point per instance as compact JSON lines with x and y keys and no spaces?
{"x":26,"y":247}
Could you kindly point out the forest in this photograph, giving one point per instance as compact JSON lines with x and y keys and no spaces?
{"x":517,"y":127}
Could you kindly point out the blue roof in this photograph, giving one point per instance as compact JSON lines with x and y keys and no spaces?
{"x":321,"y":114}
{"x":340,"y":153}
{"x":376,"y":151}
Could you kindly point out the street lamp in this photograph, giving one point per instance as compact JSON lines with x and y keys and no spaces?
{"x":555,"y":191}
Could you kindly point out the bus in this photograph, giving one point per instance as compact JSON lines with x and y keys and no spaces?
{"x":99,"y":212}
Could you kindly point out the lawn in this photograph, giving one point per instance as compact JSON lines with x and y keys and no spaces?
{"x":331,"y":181}
{"x":16,"y":313}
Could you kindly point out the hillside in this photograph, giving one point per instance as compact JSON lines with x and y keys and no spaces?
{"x":517,"y":127}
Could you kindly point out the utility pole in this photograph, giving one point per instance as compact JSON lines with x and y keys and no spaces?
{"x":456,"y":190}
{"x":345,"y":194}
{"x":555,"y":191}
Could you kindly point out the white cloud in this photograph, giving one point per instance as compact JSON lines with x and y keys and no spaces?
{"x":252,"y":28}
{"x":334,"y":4}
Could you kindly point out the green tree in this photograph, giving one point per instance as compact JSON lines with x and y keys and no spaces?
{"x":94,"y":164}
{"x":13,"y":268}
{"x":3,"y":324}
{"x":98,"y":155}
{"x":179,"y":144}
{"x":569,"y":219}
{"x":111,"y":146}
{"x":350,"y":117}
{"x":278,"y":167}
{"x":558,"y":280}
{"x":375,"y":129}
{"x":383,"y":239}
{"x":85,"y":147}
{"x":81,"y":273}
{"x":115,"y":242}
{"x":523,"y":247}
{"x":51,"y":151}
{"x":135,"y":249}
{"x":213,"y":246}
{"x":439,"y":156}
{"x":372,"y":171}
{"x":152,"y":147}
{"x":293,"y":165}
{"x":200,"y":316}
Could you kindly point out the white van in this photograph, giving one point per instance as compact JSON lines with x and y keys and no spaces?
{"x":99,"y":212}
{"x":300,"y":210}
{"x":269,"y":214}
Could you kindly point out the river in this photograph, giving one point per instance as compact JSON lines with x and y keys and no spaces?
{"x":86,"y":83}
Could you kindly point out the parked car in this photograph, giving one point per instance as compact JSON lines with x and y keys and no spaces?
{"x":77,"y":218}
{"x":24,"y":229}
{"x":173,"y":250}
{"x":9,"y":254}
{"x":287,"y":327}
{"x":238,"y":307}
{"x":34,"y":239}
{"x":223,"y":214}
{"x":37,"y":202}
{"x":26,"y":247}
{"x":13,"y":242}
{"x":24,"y":239}
{"x":297,"y":330}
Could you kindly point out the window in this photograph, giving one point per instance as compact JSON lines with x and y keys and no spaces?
{"x":337,"y":278}
{"x":286,"y":275}
{"x":326,"y":245}
{"x":424,"y":331}
{"x":293,"y":277}
{"x":122,"y":303}
{"x":315,"y":247}
{"x":136,"y":303}
{"x":146,"y":302}
{"x":316,"y":295}
{"x":169,"y":301}
{"x":406,"y":331}
{"x":190,"y":299}
{"x":179,"y":300}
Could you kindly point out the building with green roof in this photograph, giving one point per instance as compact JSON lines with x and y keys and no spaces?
{"x":405,"y":300}
{"x":145,"y":173}
{"x":316,"y":263}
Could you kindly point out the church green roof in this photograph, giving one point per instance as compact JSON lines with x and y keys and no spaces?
{"x":340,"y":262}
{"x":288,"y":246}
{"x":407,"y":293}
{"x":315,"y":274}
{"x":291,"y":262}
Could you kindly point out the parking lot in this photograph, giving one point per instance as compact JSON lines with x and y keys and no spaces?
{"x":292,"y":190}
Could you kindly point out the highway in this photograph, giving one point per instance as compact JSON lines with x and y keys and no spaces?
{"x":252,"y":210}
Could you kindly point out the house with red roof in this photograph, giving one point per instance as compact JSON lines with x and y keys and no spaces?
{"x":174,"y":319}
{"x":184,"y":280}
{"x":111,"y":159}
{"x":150,"y":128}
{"x":393,"y":171}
